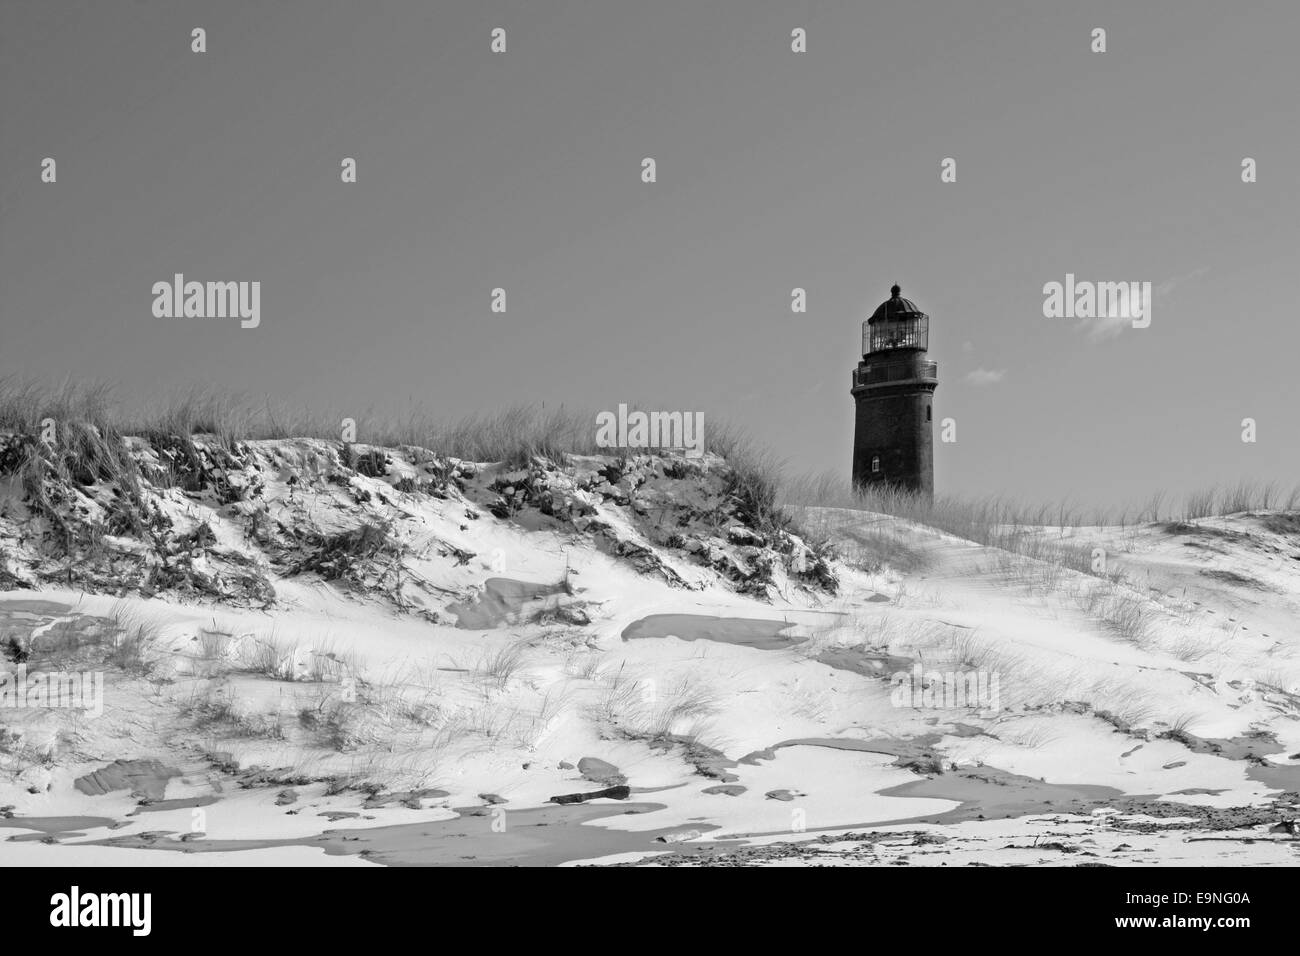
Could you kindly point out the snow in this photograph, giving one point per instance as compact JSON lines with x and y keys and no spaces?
{"x":1217,"y":658}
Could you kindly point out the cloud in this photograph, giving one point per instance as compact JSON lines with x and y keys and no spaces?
{"x":1117,"y":316}
{"x":983,"y":376}
{"x":1103,"y":327}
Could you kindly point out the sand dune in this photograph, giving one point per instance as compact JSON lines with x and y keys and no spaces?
{"x":314,"y":653}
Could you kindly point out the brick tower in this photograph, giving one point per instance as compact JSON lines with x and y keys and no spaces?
{"x":893,"y":388}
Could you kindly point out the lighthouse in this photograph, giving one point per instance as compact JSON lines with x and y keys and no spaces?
{"x":893,"y":389}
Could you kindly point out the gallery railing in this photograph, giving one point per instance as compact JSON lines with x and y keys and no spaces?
{"x":884,"y":374}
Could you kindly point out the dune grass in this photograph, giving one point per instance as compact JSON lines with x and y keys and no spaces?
{"x":1042,"y":533}
{"x":993,"y":522}
{"x":217,"y":711}
{"x":656,"y":708}
{"x":90,"y":425}
{"x":91,"y":415}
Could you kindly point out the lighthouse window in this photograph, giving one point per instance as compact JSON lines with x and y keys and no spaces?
{"x":927,"y":413}
{"x":875,"y":464}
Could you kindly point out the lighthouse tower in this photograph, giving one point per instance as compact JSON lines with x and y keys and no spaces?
{"x":893,"y":388}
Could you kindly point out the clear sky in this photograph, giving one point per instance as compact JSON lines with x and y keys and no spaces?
{"x":775,"y":170}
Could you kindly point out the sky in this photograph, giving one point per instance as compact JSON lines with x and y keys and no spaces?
{"x":775,"y":170}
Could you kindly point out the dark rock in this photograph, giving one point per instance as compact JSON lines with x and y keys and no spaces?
{"x":609,"y":793}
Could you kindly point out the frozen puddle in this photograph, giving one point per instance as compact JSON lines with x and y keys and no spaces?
{"x":56,"y":828}
{"x":758,"y":633}
{"x":479,"y":836}
{"x":989,"y":793}
{"x":146,"y":777}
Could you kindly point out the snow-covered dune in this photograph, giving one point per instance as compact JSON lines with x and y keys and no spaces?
{"x":301,"y":651}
